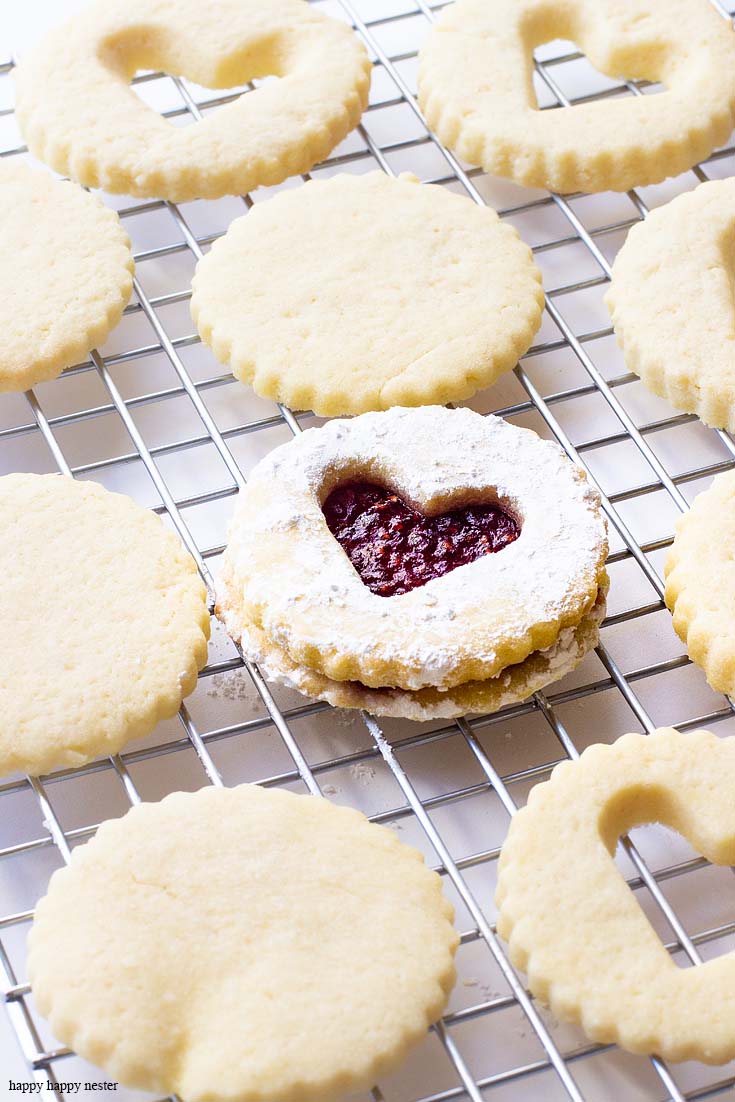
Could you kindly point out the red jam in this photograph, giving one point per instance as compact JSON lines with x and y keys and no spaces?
{"x":394,"y":548}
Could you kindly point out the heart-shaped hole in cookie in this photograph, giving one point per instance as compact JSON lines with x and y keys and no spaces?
{"x":700,"y":893}
{"x":566,"y":77}
{"x":162,"y":95}
{"x":147,"y":58}
{"x":395,"y":548}
{"x":643,"y":815}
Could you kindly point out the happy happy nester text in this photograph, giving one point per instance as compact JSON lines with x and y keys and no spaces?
{"x":24,"y":1087}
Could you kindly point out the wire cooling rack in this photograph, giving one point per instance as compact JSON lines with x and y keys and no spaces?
{"x":151,"y":414}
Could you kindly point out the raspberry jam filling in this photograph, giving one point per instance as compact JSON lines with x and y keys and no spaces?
{"x":395,"y":549}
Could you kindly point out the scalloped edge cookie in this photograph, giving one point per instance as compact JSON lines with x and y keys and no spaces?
{"x":105,"y":624}
{"x":78,"y":113}
{"x":671,"y":302}
{"x":66,"y":274}
{"x":475,"y":87}
{"x":296,"y":583}
{"x":700,"y":581}
{"x":371,"y":292}
{"x":573,"y":924}
{"x":267,"y":896}
{"x":513,"y":684}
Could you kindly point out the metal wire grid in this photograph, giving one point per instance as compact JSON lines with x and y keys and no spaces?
{"x":558,"y":1070}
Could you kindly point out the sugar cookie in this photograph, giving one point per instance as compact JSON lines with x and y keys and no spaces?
{"x":573,"y":923}
{"x":367,"y":553}
{"x":371,"y":292}
{"x":700,"y":581}
{"x":105,"y":622}
{"x":476,"y":90}
{"x":78,"y":113}
{"x":317,"y":948}
{"x":671,"y":302}
{"x":65,"y":274}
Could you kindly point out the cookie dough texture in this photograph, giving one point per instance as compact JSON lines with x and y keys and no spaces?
{"x":364,"y":292}
{"x":291,"y":594}
{"x":672,"y":305}
{"x":700,"y":582}
{"x":66,"y":274}
{"x":78,"y":112}
{"x":571,"y":920}
{"x":105,"y":622}
{"x":316,"y":948}
{"x":476,"y":89}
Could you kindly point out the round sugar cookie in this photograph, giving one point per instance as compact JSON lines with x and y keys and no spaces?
{"x":475,"y":87}
{"x":700,"y":582}
{"x":105,"y":622}
{"x":78,"y":113}
{"x":66,"y":274}
{"x":364,"y":292}
{"x":505,"y":547}
{"x":513,"y":684}
{"x":671,"y":302}
{"x":572,"y":922}
{"x":243,"y":943}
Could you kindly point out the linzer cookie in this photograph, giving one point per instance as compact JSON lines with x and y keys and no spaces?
{"x":476,"y":89}
{"x":318,"y":948}
{"x":371,"y":292}
{"x":416,"y":562}
{"x":66,"y":274}
{"x":78,"y":112}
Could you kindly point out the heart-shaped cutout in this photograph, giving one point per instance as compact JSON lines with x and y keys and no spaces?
{"x":395,"y":548}
{"x":96,"y":129}
{"x":577,"y":78}
{"x":571,"y":920}
{"x":468,"y":624}
{"x":605,"y":143}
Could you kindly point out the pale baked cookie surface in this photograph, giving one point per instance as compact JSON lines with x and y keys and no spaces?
{"x":66,"y":274}
{"x":476,"y":90}
{"x":78,"y":113}
{"x":672,"y":305}
{"x":571,"y":920}
{"x":364,"y":292}
{"x":105,"y":622}
{"x":700,"y":581}
{"x":243,"y":943}
{"x":286,"y":573}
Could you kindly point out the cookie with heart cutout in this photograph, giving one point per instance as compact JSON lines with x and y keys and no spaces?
{"x":414,"y":549}
{"x":476,"y":89}
{"x":573,"y":924}
{"x":78,"y":113}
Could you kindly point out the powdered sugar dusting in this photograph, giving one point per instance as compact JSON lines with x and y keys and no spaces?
{"x":299,"y":586}
{"x":510,"y":686}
